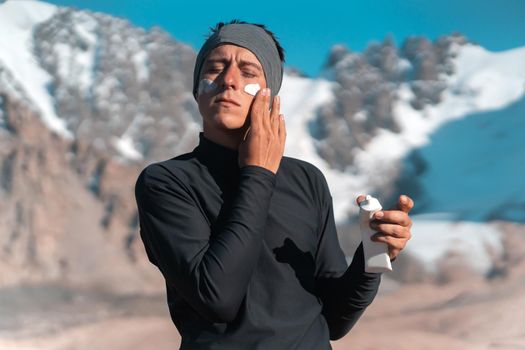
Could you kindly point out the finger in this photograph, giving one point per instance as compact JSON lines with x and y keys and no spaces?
{"x":255,"y":116}
{"x":392,"y":242}
{"x":282,"y":131}
{"x":393,"y":217}
{"x":265,"y":111}
{"x":359,"y":199}
{"x":405,"y":203}
{"x":393,"y":230}
{"x":275,"y":114}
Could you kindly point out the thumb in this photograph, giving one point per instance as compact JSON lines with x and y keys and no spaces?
{"x":405,"y":203}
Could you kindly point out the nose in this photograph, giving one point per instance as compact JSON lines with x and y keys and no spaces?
{"x":231,"y":77}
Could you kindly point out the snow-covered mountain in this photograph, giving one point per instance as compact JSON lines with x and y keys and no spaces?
{"x":438,"y":121}
{"x":95,"y":77}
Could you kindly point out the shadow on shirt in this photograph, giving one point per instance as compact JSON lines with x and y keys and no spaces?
{"x":301,"y":262}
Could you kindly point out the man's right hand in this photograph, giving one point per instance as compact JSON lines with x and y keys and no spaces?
{"x":263,"y":144}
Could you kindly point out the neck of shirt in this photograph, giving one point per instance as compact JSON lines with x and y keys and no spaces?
{"x":217,"y":157}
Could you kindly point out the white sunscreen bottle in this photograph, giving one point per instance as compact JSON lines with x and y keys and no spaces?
{"x":376,"y":253}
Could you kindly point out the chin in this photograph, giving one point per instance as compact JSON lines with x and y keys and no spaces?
{"x":229,"y":122}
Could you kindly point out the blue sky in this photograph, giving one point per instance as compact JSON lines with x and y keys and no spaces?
{"x":308,"y":29}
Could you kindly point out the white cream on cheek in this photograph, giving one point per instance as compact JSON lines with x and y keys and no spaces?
{"x":252,"y":89}
{"x":206,"y":86}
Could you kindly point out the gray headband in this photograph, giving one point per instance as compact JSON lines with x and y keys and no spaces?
{"x":250,"y":37}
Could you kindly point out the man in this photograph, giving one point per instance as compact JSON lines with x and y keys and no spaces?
{"x":245,"y":237}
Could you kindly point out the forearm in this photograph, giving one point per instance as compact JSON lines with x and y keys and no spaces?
{"x":345,"y":298}
{"x":220,"y":279}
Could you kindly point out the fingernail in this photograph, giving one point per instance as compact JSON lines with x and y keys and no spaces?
{"x":379,"y":215}
{"x":282,"y":116}
{"x":277,"y":99}
{"x":268,"y":92}
{"x":403,"y":199}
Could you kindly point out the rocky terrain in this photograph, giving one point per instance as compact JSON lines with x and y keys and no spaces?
{"x":463,"y":312}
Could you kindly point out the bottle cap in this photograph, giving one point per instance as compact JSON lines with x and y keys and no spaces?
{"x":370,"y":204}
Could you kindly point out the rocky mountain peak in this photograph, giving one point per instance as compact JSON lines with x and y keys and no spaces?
{"x":367,"y":88}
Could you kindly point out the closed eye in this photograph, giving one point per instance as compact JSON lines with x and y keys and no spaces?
{"x":214,"y":69}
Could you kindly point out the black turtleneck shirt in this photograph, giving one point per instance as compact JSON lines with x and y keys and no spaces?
{"x":250,"y":258}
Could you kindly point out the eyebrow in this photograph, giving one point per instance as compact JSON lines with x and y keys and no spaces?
{"x":242,"y":63}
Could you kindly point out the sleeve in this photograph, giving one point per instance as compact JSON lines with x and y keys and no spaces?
{"x":211,"y":271}
{"x":344,"y":291}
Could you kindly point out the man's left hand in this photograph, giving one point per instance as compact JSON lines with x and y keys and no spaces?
{"x":392,"y":226}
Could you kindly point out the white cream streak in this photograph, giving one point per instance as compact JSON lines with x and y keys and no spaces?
{"x":252,"y":89}
{"x":206,"y":86}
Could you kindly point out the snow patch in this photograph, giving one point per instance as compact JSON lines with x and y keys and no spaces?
{"x":125,"y":146}
{"x":432,"y":238}
{"x":140,"y":60}
{"x":76,"y":63}
{"x":489,"y":80}
{"x":8,"y":84}
{"x":18,"y":18}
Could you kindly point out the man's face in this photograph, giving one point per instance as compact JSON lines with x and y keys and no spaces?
{"x":226,"y":106}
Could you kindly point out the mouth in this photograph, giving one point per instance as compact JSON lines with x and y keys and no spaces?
{"x":227,"y":102}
